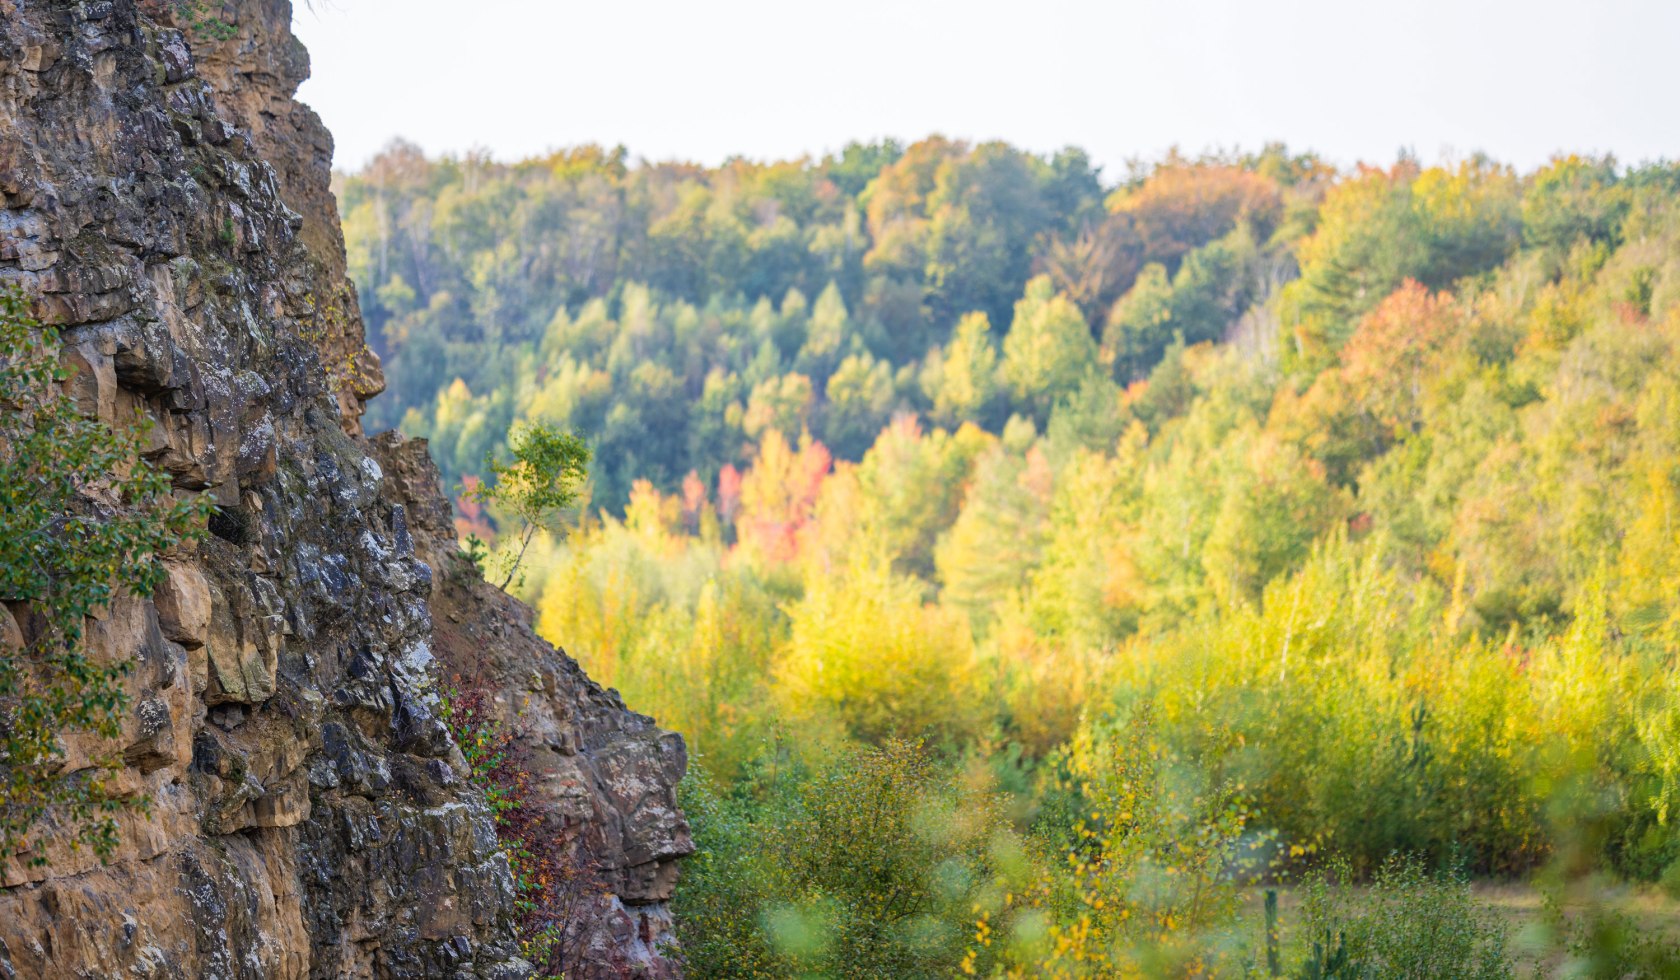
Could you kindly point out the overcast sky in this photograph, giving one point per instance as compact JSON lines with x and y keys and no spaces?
{"x":704,"y":80}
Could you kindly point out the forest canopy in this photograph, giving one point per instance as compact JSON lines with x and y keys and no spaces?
{"x":1347,"y":496}
{"x":673,"y":314}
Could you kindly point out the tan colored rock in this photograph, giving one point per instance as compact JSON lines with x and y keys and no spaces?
{"x":242,"y":660}
{"x":142,"y":836}
{"x":11,"y":636}
{"x":93,"y":381}
{"x":183,"y":604}
{"x":282,"y":806}
{"x":242,"y":674}
{"x":141,"y":916}
{"x":166,"y":202}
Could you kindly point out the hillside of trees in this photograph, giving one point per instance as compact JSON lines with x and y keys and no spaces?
{"x":1102,"y":535}
{"x":675,"y":315}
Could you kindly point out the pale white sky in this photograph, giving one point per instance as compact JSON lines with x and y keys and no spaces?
{"x":706,"y":79}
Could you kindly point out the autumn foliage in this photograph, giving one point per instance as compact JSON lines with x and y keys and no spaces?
{"x":1239,"y":508}
{"x":554,"y":889}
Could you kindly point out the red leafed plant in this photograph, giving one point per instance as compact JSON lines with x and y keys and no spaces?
{"x":553,"y":886}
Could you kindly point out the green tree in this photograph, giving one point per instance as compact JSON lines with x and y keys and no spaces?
{"x":1383,"y":227}
{"x":912,"y":486}
{"x":858,"y":163}
{"x":961,"y":380}
{"x":1209,"y":292}
{"x":860,"y":400}
{"x":864,"y":864}
{"x":990,"y":551}
{"x":83,"y":520}
{"x":1088,"y":587}
{"x":1272,"y":510}
{"x":827,"y":337}
{"x":1048,"y":350}
{"x":536,"y":487}
{"x":782,"y":404}
{"x":986,"y":208}
{"x":1572,"y":198}
{"x":1140,"y":325}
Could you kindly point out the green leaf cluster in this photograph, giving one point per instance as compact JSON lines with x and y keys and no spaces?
{"x":83,"y":521}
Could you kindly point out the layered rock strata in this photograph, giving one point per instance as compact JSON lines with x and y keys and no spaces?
{"x":164,"y":203}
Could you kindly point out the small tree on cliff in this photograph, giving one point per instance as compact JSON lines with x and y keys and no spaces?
{"x":82,"y":519}
{"x":535,"y":489}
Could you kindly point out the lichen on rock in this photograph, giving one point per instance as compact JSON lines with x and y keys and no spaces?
{"x":164,"y":202}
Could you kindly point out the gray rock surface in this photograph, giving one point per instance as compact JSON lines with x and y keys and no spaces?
{"x":165,"y":203}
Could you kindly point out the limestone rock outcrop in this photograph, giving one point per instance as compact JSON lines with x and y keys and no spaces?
{"x":164,"y":202}
{"x":602,"y":773}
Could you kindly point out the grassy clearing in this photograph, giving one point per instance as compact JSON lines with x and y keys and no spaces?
{"x":1520,"y":905}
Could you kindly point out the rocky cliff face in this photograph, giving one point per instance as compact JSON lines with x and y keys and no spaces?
{"x":165,"y":203}
{"x":603,"y":774}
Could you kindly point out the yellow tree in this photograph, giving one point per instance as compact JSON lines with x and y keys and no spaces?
{"x":870,"y":659}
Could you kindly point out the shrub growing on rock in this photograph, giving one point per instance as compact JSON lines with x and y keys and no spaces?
{"x":534,"y":489}
{"x":82,"y":520}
